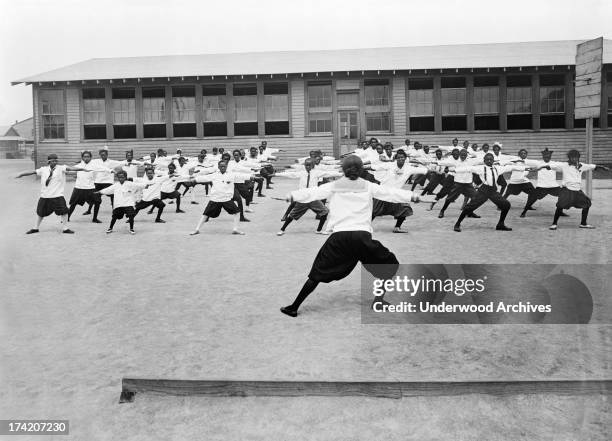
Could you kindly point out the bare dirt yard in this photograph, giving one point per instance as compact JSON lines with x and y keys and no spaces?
{"x":79,"y":312}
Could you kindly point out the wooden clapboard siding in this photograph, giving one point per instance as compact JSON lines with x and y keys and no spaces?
{"x":295,"y":147}
{"x":559,"y":141}
{"x":297,"y":108}
{"x":73,"y":115}
{"x":35,"y":115}
{"x":399,"y":105}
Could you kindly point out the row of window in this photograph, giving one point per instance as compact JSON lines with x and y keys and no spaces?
{"x":376,"y":106}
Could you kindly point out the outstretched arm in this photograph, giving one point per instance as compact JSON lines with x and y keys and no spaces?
{"x":27,"y":173}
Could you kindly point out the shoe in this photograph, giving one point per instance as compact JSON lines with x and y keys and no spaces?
{"x":399,"y":230}
{"x":322,"y":232}
{"x":457,"y":228}
{"x":503,"y":228}
{"x":473,"y":216}
{"x":32,"y":231}
{"x":171,"y":202}
{"x":96,"y":221}
{"x":564,"y":214}
{"x":244,"y":219}
{"x":522,"y":214}
{"x":280,"y":233}
{"x":283,"y":219}
{"x":431,"y":206}
{"x":237,"y":232}
{"x":441,"y":215}
{"x":552,"y":227}
{"x":132,"y":232}
{"x":289,"y":311}
{"x":109,"y":231}
{"x":587,"y":226}
{"x":261,"y":195}
{"x":269,"y":188}
{"x":160,"y":221}
{"x":67,"y":231}
{"x":87,"y":213}
{"x":247,"y":210}
{"x":531,"y":208}
{"x":150,"y":212}
{"x":193,"y":233}
{"x":179,"y":211}
{"x":194,"y":202}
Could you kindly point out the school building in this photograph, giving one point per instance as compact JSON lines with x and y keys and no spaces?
{"x":521,"y":94}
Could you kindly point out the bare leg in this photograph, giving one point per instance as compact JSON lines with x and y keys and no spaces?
{"x":202,"y":220}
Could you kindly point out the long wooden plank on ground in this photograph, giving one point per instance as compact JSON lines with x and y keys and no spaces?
{"x":391,"y":389}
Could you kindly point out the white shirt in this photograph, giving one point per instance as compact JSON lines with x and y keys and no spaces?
{"x":487,"y":174}
{"x":350,"y":202}
{"x":183,"y":171}
{"x":546,"y":178}
{"x":315,"y":176}
{"x":520,"y":176}
{"x":104,"y":177}
{"x":395,"y":176}
{"x":55,"y":189}
{"x":572,"y":175}
{"x":85,"y":179}
{"x":169,"y":184}
{"x":131,"y":168}
{"x":238,"y":167}
{"x":223,"y":184}
{"x":152,"y":188}
{"x":125,"y":194}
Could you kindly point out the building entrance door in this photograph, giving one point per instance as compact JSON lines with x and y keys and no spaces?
{"x":348,"y":130}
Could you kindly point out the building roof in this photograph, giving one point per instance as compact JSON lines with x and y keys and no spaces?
{"x":538,"y":53}
{"x":24,"y":129}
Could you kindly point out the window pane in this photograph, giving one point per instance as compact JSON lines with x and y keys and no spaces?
{"x":124,"y":108}
{"x":377,"y":95}
{"x":52,"y":103}
{"x":319,"y":96}
{"x":154,"y":110}
{"x":378,"y":122}
{"x":453,"y":101}
{"x":552,"y":99}
{"x":319,"y":122}
{"x":94,"y":111}
{"x":214,"y":108}
{"x":420,"y":102}
{"x":486,"y":100}
{"x":245,"y":108}
{"x":183,"y":109}
{"x":519,"y":99}
{"x":276,"y":107}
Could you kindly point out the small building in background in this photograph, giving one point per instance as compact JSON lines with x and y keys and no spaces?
{"x":17,"y":141}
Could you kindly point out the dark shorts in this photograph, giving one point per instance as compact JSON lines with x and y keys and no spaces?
{"x":141,"y":205}
{"x":213,"y":209}
{"x":343,"y":250}
{"x":81,"y":196}
{"x":299,"y":209}
{"x":47,"y":206}
{"x":102,"y":187}
{"x":397,"y":210}
{"x":569,"y":198}
{"x":119,"y":212}
{"x":542,"y":192}
{"x":527,"y":187}
{"x":173,"y":195}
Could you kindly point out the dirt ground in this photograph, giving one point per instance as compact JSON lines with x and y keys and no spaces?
{"x":80,"y":312}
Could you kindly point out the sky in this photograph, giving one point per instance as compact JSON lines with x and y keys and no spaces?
{"x":37,"y":36}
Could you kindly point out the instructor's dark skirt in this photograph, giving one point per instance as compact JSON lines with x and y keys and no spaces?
{"x":344,"y":249}
{"x":397,"y":210}
{"x":569,"y":198}
{"x":81,"y":196}
{"x":128,"y":212}
{"x":47,"y":206}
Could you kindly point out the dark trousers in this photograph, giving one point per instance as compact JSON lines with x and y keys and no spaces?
{"x":459,"y":188}
{"x":483,"y":194}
